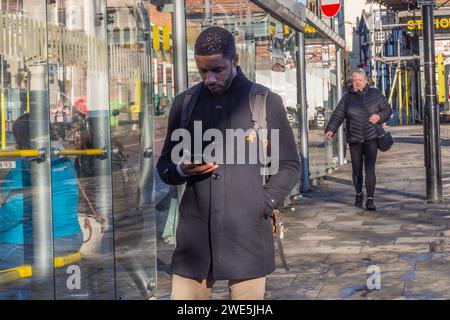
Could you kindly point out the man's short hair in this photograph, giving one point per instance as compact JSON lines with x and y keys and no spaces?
{"x":215,"y":40}
{"x":21,"y":132}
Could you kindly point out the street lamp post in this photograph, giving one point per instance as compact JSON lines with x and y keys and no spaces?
{"x":302,"y":111}
{"x":431,"y":109}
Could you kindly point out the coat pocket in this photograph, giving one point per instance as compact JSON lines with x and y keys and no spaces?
{"x":264,"y":211}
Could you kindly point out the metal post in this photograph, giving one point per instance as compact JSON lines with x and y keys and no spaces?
{"x":406,"y":94}
{"x":41,"y":184}
{"x":302,"y":110}
{"x":391,"y":85}
{"x":341,"y":140}
{"x":208,"y":14}
{"x":431,"y":121}
{"x":417,"y":92}
{"x":180,"y":57}
{"x":180,"y":52}
{"x":392,"y":88}
{"x":98,"y":101}
{"x":373,"y":45}
{"x":399,"y":89}
{"x":43,"y":272}
{"x":147,"y":162}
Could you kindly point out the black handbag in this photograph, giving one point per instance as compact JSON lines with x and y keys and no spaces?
{"x":384,"y":141}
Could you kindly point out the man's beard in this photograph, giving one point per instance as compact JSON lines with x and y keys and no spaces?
{"x":228,"y":82}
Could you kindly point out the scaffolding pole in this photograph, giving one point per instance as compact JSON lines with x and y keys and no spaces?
{"x":399,"y":88}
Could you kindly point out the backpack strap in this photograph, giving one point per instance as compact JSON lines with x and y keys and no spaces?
{"x":258,"y":109}
{"x":189,"y":102}
{"x":257,"y":99}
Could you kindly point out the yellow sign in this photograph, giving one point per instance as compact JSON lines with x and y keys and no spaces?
{"x":309,"y":29}
{"x":166,"y":37}
{"x":156,"y":40}
{"x":272,"y":29}
{"x":439,"y":23}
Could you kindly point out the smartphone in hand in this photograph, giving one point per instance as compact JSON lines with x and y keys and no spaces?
{"x":197,"y":159}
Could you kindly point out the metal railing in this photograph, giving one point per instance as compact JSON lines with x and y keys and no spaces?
{"x":57,"y":152}
{"x":85,"y":152}
{"x":21,"y":153}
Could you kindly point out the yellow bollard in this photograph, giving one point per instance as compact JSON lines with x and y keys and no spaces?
{"x":28,"y":101}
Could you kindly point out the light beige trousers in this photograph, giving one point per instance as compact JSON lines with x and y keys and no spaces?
{"x":200,"y":289}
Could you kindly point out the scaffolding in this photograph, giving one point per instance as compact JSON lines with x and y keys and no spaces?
{"x":395,"y":68}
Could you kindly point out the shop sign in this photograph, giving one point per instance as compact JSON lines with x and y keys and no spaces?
{"x":441,"y":23}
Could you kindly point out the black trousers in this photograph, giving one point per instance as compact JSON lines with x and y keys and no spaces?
{"x":364,"y":152}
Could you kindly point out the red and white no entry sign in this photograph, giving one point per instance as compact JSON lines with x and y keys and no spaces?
{"x":330,"y":8}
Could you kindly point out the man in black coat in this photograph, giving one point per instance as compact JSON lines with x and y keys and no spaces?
{"x":225,"y":229}
{"x":365,"y":109}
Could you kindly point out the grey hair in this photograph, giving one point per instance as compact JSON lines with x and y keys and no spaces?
{"x":361,"y":72}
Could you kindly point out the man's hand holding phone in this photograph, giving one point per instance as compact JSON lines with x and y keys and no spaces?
{"x":194,"y":165}
{"x":191,"y":169}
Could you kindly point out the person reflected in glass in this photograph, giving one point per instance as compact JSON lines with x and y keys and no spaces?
{"x":16,"y":234}
{"x":61,"y":118}
{"x":82,"y":140}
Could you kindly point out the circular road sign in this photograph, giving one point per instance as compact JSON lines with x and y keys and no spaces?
{"x":330,"y":8}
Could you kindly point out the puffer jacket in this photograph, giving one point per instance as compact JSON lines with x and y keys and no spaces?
{"x":351,"y":107}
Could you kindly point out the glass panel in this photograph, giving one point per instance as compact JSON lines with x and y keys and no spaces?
{"x":283,"y":70}
{"x":166,"y":197}
{"x":261,"y":32}
{"x":317,"y":91}
{"x":333,"y":154}
{"x":236,"y":16}
{"x":81,"y":163}
{"x":26,"y":243}
{"x":132,"y":145}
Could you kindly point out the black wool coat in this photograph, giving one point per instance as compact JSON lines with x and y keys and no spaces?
{"x":224,"y":228}
{"x":351,"y":108}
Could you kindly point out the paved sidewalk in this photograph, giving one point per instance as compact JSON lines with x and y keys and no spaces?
{"x":330,"y":244}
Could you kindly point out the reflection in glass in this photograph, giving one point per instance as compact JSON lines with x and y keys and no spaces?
{"x":321,"y":100}
{"x":26,"y":237}
{"x":76,"y":157}
{"x":132,"y":142}
{"x":79,"y":122}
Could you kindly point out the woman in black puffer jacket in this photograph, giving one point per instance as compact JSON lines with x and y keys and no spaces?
{"x":364,"y":108}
